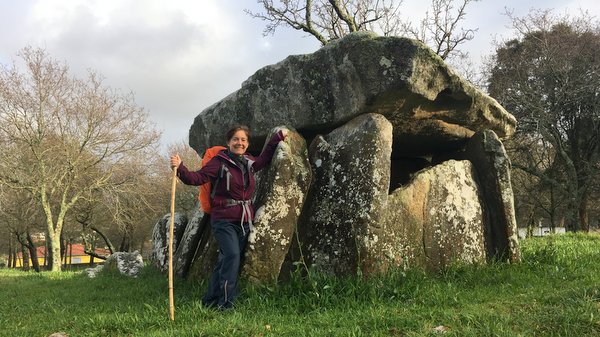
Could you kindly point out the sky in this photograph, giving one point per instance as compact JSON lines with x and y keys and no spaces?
{"x":180,"y":56}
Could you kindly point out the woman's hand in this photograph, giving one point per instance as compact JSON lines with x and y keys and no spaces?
{"x":175,"y":160}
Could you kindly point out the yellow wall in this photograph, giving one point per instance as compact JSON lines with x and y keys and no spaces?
{"x":77,"y":259}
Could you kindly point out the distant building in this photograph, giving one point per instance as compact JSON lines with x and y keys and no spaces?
{"x":540,"y":231}
{"x":74,"y":255}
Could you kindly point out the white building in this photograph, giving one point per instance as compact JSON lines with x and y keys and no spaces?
{"x":540,"y":231}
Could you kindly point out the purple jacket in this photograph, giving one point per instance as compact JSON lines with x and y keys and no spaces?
{"x":222,"y":206}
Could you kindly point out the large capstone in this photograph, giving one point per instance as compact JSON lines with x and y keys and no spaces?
{"x":427,"y":103}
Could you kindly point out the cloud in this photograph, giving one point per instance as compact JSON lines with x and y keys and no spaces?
{"x":177,"y":56}
{"x":181,"y":56}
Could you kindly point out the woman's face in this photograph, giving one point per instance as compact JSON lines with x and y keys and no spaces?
{"x":238,"y":144}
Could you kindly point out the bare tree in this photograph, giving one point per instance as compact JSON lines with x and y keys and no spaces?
{"x":138,"y":199}
{"x":26,"y":241}
{"x":548,"y":77}
{"x":536,"y":196}
{"x":64,"y":136}
{"x":187,"y":196}
{"x":91,"y":214}
{"x":327,"y":20}
{"x":332,"y":19}
{"x":440,"y":28}
{"x":21,"y":215}
{"x":126,"y":212}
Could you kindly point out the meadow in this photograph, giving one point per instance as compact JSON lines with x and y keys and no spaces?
{"x":554,"y":291}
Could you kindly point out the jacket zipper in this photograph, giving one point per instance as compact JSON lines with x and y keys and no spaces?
{"x":243,"y":181}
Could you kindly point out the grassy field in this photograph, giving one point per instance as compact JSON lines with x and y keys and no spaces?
{"x":555,"y":291}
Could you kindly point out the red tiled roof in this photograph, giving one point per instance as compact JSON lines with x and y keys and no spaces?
{"x":78,"y":250}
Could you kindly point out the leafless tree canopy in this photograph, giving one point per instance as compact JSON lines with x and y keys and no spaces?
{"x":548,"y":77}
{"x":64,"y":137}
{"x":440,"y":28}
{"x":328,"y":20}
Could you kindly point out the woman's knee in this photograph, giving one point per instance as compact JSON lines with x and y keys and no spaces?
{"x":231,"y":255}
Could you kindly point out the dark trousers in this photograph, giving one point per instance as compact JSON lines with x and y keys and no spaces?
{"x":222,"y":286}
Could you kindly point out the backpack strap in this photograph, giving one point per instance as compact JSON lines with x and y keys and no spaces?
{"x":224,"y":171}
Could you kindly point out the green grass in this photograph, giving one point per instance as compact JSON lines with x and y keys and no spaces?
{"x":555,"y":291}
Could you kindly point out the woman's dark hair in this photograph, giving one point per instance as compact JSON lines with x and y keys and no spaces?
{"x":237,"y":128}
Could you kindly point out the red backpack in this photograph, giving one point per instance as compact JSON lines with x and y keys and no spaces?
{"x":204,"y":195}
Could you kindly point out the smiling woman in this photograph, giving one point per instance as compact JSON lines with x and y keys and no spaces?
{"x":231,"y":172}
{"x":237,"y":140}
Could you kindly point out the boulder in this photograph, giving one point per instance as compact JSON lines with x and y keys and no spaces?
{"x":186,"y":248}
{"x":93,"y":272}
{"x":341,"y":219}
{"x":492,"y":164}
{"x":436,"y":219}
{"x":279,"y":200}
{"x":126,"y":263}
{"x":160,"y":239}
{"x":206,"y":251}
{"x":428,"y":104}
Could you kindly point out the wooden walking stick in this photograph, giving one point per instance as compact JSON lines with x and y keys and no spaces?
{"x":171,"y":231}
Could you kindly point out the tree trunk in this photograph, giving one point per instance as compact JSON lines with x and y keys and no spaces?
{"x":14,"y":253}
{"x":11,"y":257}
{"x":109,"y":244}
{"x":14,"y":265}
{"x":46,"y":254}
{"x":571,"y":220}
{"x":63,"y":249}
{"x":530,"y":226}
{"x":584,"y":220}
{"x":125,"y":242}
{"x":26,"y":242}
{"x":553,"y":208}
{"x":92,"y":253}
{"x":70,"y":253}
{"x":54,"y":226}
{"x":25,"y":258}
{"x":583,"y":213}
{"x":33,"y":253}
{"x":55,"y":258}
{"x":93,"y":250}
{"x":142,"y":246}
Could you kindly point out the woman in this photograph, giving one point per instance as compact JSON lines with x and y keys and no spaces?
{"x":232,"y":210}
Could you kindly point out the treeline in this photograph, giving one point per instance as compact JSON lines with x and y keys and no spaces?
{"x":81,"y":161}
